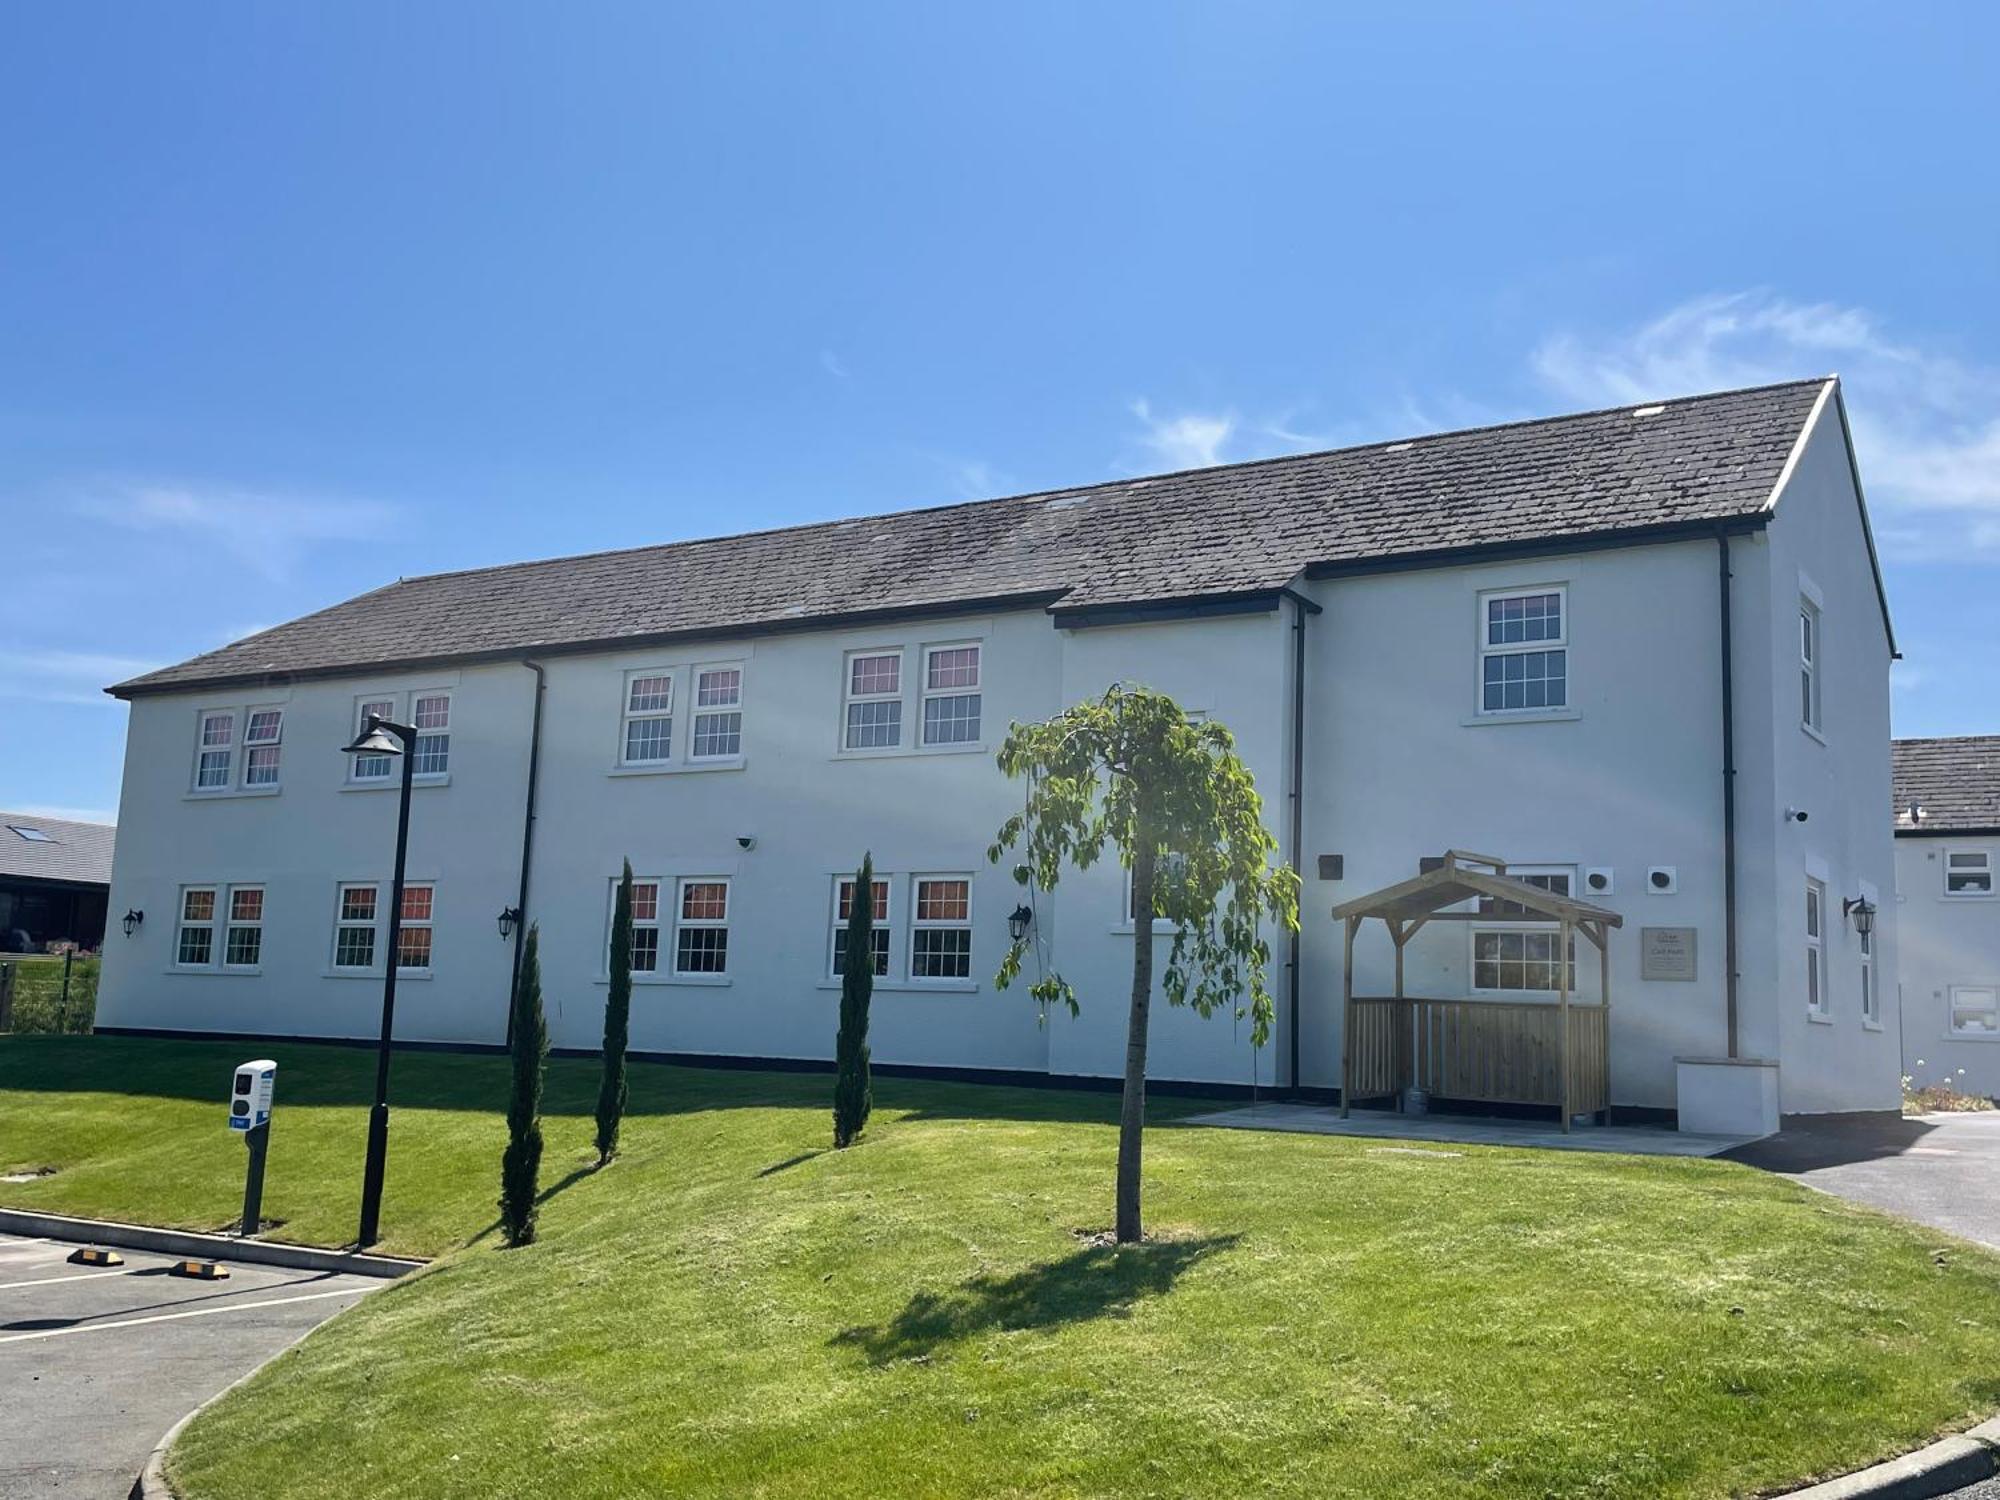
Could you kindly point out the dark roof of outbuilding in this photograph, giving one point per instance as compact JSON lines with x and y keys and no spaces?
{"x":76,"y":852}
{"x":1238,"y":529}
{"x":1955,"y":781}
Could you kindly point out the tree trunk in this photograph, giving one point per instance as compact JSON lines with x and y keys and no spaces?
{"x":1132,"y":1111}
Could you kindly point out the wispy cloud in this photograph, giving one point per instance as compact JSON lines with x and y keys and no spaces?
{"x":265,"y":531}
{"x":1926,"y":424}
{"x":831,"y":363}
{"x":1188,"y":440}
{"x":65,"y":676}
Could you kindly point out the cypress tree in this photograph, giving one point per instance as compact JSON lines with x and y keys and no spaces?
{"x":523,"y":1159}
{"x":611,"y":1093}
{"x":852,"y":1097}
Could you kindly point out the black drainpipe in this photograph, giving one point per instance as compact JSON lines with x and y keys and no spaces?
{"x":1728,"y":797}
{"x":527,"y":841}
{"x":1300,"y":604}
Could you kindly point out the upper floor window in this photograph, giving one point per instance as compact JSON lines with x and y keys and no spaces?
{"x":236,"y":749}
{"x":261,"y":735}
{"x":218,"y":751}
{"x":372,"y":767}
{"x":1809,"y":652}
{"x":1968,"y":872}
{"x":874,"y":700}
{"x":1523,"y":651}
{"x":429,"y":714}
{"x":1816,"y":1001}
{"x":951,"y":695}
{"x":1975,"y":1010}
{"x":718,"y":713}
{"x":649,"y":718}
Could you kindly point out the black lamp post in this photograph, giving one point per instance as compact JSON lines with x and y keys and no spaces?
{"x":381,"y":737}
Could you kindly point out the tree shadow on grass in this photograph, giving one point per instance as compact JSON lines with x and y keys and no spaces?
{"x":1095,"y":1282}
{"x":575,"y":1175}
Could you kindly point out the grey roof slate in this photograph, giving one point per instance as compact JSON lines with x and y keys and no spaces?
{"x":1234,"y":529}
{"x":1956,"y":781}
{"x":81,"y":852}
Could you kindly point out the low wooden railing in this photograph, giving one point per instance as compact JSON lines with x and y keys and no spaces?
{"x":1489,"y":1051}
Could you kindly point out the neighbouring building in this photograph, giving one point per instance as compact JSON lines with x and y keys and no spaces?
{"x":1509,"y":639}
{"x":54,"y":876}
{"x":1948,"y":909}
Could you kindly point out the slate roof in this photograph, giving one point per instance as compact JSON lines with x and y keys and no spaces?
{"x":1237,"y":529}
{"x":80,"y":852}
{"x":1955,"y":781}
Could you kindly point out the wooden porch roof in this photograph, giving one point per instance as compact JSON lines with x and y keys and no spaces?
{"x":1459,"y":878}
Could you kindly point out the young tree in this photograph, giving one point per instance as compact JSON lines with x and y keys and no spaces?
{"x":522,"y":1162}
{"x":612,"y":1092}
{"x":1132,"y":771}
{"x":852,"y":1094}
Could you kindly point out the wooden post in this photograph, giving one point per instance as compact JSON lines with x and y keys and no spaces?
{"x":1400,"y":1019}
{"x":1347,"y":1016}
{"x":1562,"y":1018}
{"x":1604,"y":996}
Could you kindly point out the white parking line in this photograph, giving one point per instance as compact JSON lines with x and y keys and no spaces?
{"x":196,"y":1312}
{"x":8,"y":1286}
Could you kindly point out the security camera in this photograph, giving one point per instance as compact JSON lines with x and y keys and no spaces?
{"x":746,"y":841}
{"x":1795,"y":815}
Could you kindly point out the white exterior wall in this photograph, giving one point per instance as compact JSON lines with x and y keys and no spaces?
{"x":1816,"y":546}
{"x":1946,"y":941}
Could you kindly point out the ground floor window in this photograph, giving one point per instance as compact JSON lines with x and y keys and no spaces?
{"x":413,"y":939}
{"x":701,"y":936}
{"x":194,"y":943}
{"x":244,"y":945}
{"x":1871,"y":1002}
{"x":1975,"y":1010}
{"x":1524,"y":959}
{"x":941,"y":929}
{"x":878,"y":934}
{"x":1815,"y":948}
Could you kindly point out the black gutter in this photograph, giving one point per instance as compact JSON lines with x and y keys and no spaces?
{"x":838,"y":620}
{"x":1728,"y":794}
{"x":1983,"y":832}
{"x":1156,"y":611}
{"x":1546,"y":546}
{"x":527,"y":840}
{"x":1300,"y":604}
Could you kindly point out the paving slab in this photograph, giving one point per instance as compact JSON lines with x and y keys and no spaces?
{"x":98,"y":1363}
{"x":1468,"y":1130}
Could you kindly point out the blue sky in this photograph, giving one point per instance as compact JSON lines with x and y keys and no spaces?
{"x":296,"y":299}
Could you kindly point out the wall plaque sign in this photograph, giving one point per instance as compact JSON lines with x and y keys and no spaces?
{"x":1667,"y":953}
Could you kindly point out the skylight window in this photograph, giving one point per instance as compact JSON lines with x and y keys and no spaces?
{"x":33,"y":835}
{"x":1647,"y":411}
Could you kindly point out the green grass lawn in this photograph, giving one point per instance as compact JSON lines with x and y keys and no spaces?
{"x":730,"y":1310}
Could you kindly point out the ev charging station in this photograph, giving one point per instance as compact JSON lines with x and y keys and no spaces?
{"x":250,"y":1113}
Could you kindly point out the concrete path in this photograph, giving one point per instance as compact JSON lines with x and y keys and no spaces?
{"x":97,"y":1364}
{"x":1941,"y":1170}
{"x":1462,"y":1130}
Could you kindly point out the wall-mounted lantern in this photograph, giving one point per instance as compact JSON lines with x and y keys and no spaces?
{"x":133,"y":917}
{"x":1862,"y":910}
{"x":510,"y":917}
{"x":1019,"y":920}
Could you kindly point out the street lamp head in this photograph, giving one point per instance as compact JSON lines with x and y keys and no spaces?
{"x":376,"y":739}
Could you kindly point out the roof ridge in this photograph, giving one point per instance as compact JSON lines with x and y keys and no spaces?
{"x":1055,"y":491}
{"x":1941,"y":739}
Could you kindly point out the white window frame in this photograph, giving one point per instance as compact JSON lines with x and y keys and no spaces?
{"x":231,"y":924}
{"x":699,"y":711}
{"x":628,"y":715}
{"x":656,"y":924}
{"x":926,"y":695}
{"x":1474,"y":930}
{"x":372,"y":925}
{"x":1818,"y":1003}
{"x":685,"y":923}
{"x":1812,"y":656}
{"x":236,"y":750}
{"x":411,"y":924}
{"x":182,"y":924}
{"x":920,"y":924}
{"x":1489,"y":649}
{"x":226,"y":748}
{"x":1127,"y":918}
{"x":1871,"y":997}
{"x":390,"y":706}
{"x":1985,"y":867}
{"x":882,"y":935}
{"x":402,"y":708}
{"x":431,"y":732}
{"x":255,"y":743}
{"x":1963,"y":1034}
{"x":850,"y":696}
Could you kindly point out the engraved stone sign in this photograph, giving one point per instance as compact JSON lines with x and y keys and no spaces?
{"x":1667,"y":953}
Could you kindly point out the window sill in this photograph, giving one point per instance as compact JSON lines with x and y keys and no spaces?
{"x":1811,"y":733}
{"x":913,"y":986}
{"x":1966,"y":896}
{"x":214,"y":971}
{"x":1971,"y":1036}
{"x":1872,"y":1026}
{"x":402,"y":975}
{"x":681,"y":767}
{"x":1523,"y":716}
{"x":222,"y":794}
{"x":893,"y":752}
{"x":671,"y":981}
{"x":394,"y":783}
{"x":1817,"y":1019}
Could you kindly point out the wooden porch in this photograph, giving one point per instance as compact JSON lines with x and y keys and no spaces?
{"x":1489,"y":1051}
